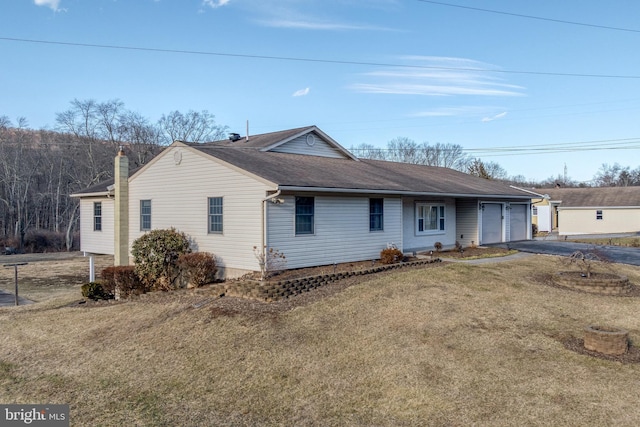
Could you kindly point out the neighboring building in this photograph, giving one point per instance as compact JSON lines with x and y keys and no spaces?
{"x":302,"y":193}
{"x":598,"y":210}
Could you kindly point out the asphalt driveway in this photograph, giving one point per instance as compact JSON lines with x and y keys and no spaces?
{"x":620,"y":254}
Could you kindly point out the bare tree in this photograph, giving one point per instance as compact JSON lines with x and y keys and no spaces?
{"x":194,"y":126}
{"x":406,"y":150}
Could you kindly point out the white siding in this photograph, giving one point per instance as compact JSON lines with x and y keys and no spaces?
{"x":341,"y":232}
{"x":299,"y":146}
{"x":583,"y":220}
{"x":96,"y":242}
{"x":467,"y":222}
{"x":413,"y":241}
{"x":179,"y":198}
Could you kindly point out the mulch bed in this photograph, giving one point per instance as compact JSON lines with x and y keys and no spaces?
{"x":577,"y":345}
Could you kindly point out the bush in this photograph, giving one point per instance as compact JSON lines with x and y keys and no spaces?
{"x":122,"y":280}
{"x":156,"y":256}
{"x":390,"y":256}
{"x":94,"y":291}
{"x":438,"y":246}
{"x":199,"y":268}
{"x":534,"y":229}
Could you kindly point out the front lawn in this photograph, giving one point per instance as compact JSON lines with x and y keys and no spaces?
{"x":457,"y":344}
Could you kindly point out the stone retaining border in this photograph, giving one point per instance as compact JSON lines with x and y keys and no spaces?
{"x":619,"y":285}
{"x":280,"y":289}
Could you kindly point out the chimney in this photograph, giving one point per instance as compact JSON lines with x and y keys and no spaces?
{"x":121,"y":211}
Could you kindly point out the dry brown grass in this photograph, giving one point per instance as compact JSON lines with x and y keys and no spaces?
{"x":455,"y":345}
{"x":50,"y":276}
{"x":615,"y":241}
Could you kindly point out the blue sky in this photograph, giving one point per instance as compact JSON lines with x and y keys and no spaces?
{"x":507,"y":88}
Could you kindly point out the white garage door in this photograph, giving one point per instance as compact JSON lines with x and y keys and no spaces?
{"x":518,"y":223}
{"x":491,"y":231}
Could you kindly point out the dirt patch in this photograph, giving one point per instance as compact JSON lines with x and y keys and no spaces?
{"x":577,"y":345}
{"x":477,"y":252}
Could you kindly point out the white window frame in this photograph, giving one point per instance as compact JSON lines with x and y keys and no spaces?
{"x":297,"y":226}
{"x":211,"y":216}
{"x":441,"y":221}
{"x":376,"y":215}
{"x":97,"y":216}
{"x":143,"y":215}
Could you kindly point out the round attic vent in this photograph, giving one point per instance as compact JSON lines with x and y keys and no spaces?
{"x":311,"y":140}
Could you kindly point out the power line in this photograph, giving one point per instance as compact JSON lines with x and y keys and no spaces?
{"x":539,"y":18}
{"x":314,"y":60}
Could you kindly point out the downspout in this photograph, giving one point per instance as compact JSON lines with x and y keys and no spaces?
{"x":264,"y":218}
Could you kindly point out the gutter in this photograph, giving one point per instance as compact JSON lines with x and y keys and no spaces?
{"x":264,"y":218}
{"x":542,"y":196}
{"x":395,"y":192}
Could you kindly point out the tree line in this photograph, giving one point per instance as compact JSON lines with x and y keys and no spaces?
{"x":39,"y":169}
{"x":453,"y":156}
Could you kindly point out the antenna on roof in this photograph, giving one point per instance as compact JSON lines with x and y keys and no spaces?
{"x":247,"y":137}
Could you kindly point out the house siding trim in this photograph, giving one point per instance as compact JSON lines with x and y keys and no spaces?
{"x":290,"y":188}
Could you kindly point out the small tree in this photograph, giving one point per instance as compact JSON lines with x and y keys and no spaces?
{"x":270,"y":260}
{"x":585,"y":260}
{"x":156,"y":255}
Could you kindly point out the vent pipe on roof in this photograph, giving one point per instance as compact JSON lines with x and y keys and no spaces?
{"x":247,"y":137}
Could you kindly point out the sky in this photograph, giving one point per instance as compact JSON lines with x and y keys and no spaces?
{"x":536,"y":86}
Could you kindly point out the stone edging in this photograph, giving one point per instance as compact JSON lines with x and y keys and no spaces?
{"x":277,"y":290}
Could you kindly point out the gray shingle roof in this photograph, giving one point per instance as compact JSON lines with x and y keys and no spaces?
{"x":263,"y":140}
{"x":334,"y":174}
{"x":294,"y":170}
{"x":595,"y":197}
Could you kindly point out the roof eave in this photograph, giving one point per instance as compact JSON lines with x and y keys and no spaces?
{"x":396,"y":192}
{"x":94,"y":194}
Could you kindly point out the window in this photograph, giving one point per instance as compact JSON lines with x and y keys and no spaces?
{"x":97,"y":216}
{"x":376,"y":214}
{"x":429,"y":218}
{"x":145,"y":215}
{"x":598,"y":214}
{"x":304,"y":215}
{"x":534,"y":210}
{"x":215,"y":214}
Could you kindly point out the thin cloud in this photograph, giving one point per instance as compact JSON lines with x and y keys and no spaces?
{"x":302,"y":92}
{"x":451,"y":111}
{"x":52,"y":4}
{"x":313,"y":15}
{"x":315,"y":25}
{"x":496,"y":117}
{"x":442,"y":76}
{"x":215,"y":3}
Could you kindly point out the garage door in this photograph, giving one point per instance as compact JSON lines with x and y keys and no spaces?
{"x":518,"y":223}
{"x":491,"y":231}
